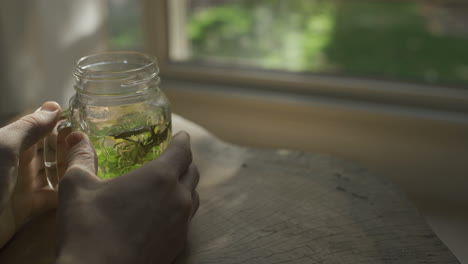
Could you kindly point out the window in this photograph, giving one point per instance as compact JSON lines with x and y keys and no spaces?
{"x":125,"y":24}
{"x":424,"y":41}
{"x":406,"y":51}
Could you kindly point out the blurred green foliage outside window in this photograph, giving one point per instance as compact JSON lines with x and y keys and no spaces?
{"x":404,"y":40}
{"x":423,"y":41}
{"x":125,"y":24}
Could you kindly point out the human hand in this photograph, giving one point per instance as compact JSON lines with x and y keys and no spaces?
{"x":140,"y":217}
{"x":24,"y":192}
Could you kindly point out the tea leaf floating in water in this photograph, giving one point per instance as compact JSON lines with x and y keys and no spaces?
{"x":122,"y":152}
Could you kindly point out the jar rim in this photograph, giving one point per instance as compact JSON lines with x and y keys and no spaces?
{"x":82,"y":71}
{"x":116,"y":73}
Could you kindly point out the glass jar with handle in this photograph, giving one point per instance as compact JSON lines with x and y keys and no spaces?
{"x":119,"y":105}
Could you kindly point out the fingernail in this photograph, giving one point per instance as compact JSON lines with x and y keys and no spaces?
{"x":50,"y":107}
{"x":74,"y":138}
{"x":182,"y":134}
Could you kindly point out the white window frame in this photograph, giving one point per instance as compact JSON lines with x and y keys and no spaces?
{"x":434,"y":97}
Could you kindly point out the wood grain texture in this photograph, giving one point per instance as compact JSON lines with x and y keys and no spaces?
{"x":266,"y":206}
{"x":277,"y":206}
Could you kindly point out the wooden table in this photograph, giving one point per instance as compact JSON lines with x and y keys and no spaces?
{"x":278,"y":206}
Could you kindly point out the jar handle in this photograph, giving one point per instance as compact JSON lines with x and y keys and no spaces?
{"x":50,"y":151}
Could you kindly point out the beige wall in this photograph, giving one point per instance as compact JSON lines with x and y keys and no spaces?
{"x":39,"y":43}
{"x":424,"y":152}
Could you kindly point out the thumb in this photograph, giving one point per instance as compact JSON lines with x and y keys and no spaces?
{"x":81,"y":161}
{"x":28,"y":130}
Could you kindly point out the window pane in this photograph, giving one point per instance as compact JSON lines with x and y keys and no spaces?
{"x":423,"y":41}
{"x":125,"y":25}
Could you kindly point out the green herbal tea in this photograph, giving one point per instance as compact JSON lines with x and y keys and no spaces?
{"x":125,"y":151}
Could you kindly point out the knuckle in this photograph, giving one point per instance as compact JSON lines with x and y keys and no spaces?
{"x":183,"y":150}
{"x":168,"y":178}
{"x":65,"y":186}
{"x":166,"y":173}
{"x":181,"y":197}
{"x":195,"y":203}
{"x":194,"y":170}
{"x":75,"y":177}
{"x":186,"y":211}
{"x":195,"y":174}
{"x":185,"y":202}
{"x":189,"y":155}
{"x":68,"y":182}
{"x":84,"y":155}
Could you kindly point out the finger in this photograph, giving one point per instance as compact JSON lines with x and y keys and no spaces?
{"x":50,"y":156}
{"x":45,"y":199}
{"x":41,"y":180}
{"x":27,"y":155}
{"x":195,"y":203}
{"x":27,"y":169}
{"x":81,"y":161}
{"x":173,"y":162}
{"x":48,"y":150}
{"x":178,"y":156}
{"x":190,"y":178}
{"x":40,"y":144}
{"x":39,"y":159}
{"x":80,"y":152}
{"x":58,"y":135}
{"x":50,"y":141}
{"x":61,"y":150}
{"x":28,"y":130}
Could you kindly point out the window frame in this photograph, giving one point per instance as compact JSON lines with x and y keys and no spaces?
{"x":420,"y":95}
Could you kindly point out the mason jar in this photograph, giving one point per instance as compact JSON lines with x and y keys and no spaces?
{"x":119,"y":105}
